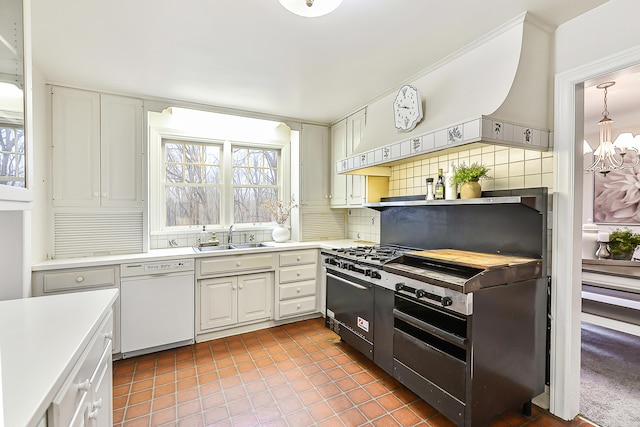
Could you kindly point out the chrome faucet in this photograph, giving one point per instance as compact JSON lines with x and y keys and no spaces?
{"x":229,"y":239}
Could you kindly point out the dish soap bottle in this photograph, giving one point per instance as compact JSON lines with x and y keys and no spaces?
{"x":439,"y":189}
{"x":450,"y":187}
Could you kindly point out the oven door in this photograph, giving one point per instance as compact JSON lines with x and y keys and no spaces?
{"x":350,"y":310}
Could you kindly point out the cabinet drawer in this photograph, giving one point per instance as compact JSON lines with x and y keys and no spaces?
{"x":298,"y":257}
{"x":297,"y":306}
{"x":74,"y":390}
{"x":298,"y":273}
{"x":297,"y":290}
{"x":239,"y":263}
{"x":70,"y":280}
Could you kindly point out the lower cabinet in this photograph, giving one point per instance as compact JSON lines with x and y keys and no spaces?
{"x":85,"y":399}
{"x":297,"y":283}
{"x":227,"y":301}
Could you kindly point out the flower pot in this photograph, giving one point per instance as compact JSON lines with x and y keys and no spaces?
{"x":470,"y":190}
{"x":280,"y":234}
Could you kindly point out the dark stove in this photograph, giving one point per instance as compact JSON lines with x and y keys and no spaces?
{"x":373,"y":255}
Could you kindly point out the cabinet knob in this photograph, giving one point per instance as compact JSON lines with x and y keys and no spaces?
{"x":104,"y":194}
{"x":97,"y":404}
{"x":84,"y":386}
{"x":109,"y":335}
{"x":298,"y":290}
{"x":96,"y":194}
{"x":79,"y":279}
{"x":241,"y":286}
{"x":298,"y":258}
{"x":298,"y":306}
{"x":233,"y":288}
{"x":238,"y":264}
{"x":330,"y":196}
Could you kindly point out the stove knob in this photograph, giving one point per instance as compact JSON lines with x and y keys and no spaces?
{"x":420,"y":293}
{"x":447,"y":301}
{"x":375,"y":274}
{"x":399,"y":286}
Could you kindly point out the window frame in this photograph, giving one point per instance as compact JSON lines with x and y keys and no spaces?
{"x":156,"y":206}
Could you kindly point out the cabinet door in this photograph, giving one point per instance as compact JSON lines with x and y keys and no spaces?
{"x":218,"y":302}
{"x":121,"y":153}
{"x":314,"y":168}
{"x":76,"y":147}
{"x":338,"y":152}
{"x":255,"y":297}
{"x":100,"y":407}
{"x":355,"y":183}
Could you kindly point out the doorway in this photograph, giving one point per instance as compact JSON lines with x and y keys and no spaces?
{"x":567,"y":221}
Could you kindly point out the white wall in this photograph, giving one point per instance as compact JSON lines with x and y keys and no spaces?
{"x":605,"y":30}
{"x":12,"y":254}
{"x":41,"y":165}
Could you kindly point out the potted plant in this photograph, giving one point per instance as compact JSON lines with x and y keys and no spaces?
{"x":467,"y":177}
{"x":622,"y":243}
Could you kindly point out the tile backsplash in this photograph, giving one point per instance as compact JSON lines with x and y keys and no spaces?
{"x":190,"y":238}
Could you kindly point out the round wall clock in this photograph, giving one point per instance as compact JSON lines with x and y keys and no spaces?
{"x":407,"y":108}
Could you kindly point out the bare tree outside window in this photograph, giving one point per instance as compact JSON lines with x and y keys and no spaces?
{"x":194,"y":189}
{"x":255,"y":181}
{"x":192,"y":183}
{"x":12,"y":170}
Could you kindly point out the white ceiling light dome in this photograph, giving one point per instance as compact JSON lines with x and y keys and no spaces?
{"x":310,"y":8}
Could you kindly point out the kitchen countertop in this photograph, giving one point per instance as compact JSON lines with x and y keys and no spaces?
{"x":620,"y":268}
{"x":186,"y":252}
{"x":41,"y":339}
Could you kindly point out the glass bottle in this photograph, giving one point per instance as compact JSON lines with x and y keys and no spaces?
{"x":439,"y":189}
{"x":429,"y":189}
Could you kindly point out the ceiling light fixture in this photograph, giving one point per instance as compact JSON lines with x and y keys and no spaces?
{"x":610,"y":155}
{"x":310,"y":8}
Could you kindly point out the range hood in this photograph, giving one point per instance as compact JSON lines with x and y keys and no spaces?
{"x":494,"y":91}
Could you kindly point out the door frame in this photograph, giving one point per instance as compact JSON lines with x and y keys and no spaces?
{"x":566,"y":303}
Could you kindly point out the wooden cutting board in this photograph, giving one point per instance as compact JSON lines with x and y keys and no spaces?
{"x":472,"y":259}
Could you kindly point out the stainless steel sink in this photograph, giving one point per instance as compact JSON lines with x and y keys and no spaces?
{"x":212,"y":248}
{"x":247,"y":245}
{"x":228,"y":247}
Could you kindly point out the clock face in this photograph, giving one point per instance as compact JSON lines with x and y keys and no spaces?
{"x":407,"y":108}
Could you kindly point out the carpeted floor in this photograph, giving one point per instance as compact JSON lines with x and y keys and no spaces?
{"x":610,"y":377}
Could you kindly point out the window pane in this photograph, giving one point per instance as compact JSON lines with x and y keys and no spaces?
{"x":173,"y":152}
{"x":248,"y":204}
{"x":240,"y":157}
{"x":240,"y":176}
{"x":194,"y":174}
{"x":211,"y":174}
{"x":174,"y":172}
{"x":193,"y":153}
{"x":255,"y":158}
{"x":211,"y":155}
{"x":192,"y":205}
{"x":271,"y":159}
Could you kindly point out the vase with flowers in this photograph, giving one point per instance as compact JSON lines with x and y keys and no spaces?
{"x":280,"y":213}
{"x":467,"y":177}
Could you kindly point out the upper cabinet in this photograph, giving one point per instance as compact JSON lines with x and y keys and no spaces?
{"x":347,"y":190}
{"x":15,"y":105}
{"x":314,"y":166}
{"x":97,"y":149}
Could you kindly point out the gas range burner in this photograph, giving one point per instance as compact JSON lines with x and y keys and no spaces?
{"x":375,"y":254}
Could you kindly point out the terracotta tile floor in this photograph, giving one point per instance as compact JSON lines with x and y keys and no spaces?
{"x":294,"y":375}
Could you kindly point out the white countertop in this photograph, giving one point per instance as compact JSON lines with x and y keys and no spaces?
{"x":186,"y":252}
{"x":41,"y":339}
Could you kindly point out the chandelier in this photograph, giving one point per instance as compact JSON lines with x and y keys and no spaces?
{"x":611,"y":155}
{"x":310,"y":8}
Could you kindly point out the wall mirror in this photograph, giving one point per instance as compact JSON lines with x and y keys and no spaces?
{"x":12,"y":101}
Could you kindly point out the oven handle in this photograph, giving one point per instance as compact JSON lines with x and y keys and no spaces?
{"x":456,"y":340}
{"x":340,"y":279}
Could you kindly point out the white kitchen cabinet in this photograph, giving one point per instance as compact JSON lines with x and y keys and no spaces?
{"x":347,"y":190}
{"x":85,"y":399}
{"x":297,"y":283}
{"x":67,"y":280}
{"x":227,"y":301}
{"x":315,"y":179}
{"x":97,"y":144}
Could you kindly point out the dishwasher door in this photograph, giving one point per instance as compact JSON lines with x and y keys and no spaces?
{"x":157,"y":311}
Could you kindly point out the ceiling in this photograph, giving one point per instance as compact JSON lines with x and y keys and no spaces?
{"x":254,"y":55}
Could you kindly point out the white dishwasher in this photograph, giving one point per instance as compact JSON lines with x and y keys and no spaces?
{"x":157,"y":306}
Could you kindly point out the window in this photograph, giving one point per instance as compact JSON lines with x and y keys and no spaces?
{"x":12,"y":170}
{"x":255,"y":181}
{"x":195,"y":188}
